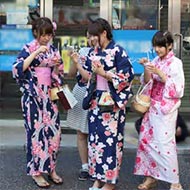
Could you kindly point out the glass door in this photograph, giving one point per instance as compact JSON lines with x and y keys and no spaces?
{"x":179,"y":25}
{"x":72,"y":18}
{"x":185,"y":51}
{"x":15,"y":31}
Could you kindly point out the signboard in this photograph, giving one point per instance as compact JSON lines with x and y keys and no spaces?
{"x":137,"y":44}
{"x":14,"y":39}
{"x":73,"y":41}
{"x":6,"y":62}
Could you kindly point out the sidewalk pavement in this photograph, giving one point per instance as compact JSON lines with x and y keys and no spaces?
{"x":13,"y":161}
{"x":12,"y":134}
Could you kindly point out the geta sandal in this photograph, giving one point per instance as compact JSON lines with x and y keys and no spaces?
{"x":40,"y":182}
{"x":176,"y":187}
{"x":56,"y":180}
{"x":148,"y":184}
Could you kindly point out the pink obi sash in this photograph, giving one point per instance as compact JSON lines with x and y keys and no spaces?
{"x":102,"y":83}
{"x":157,"y":90}
{"x":44,"y":75}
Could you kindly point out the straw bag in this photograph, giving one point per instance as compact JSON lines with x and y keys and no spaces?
{"x":141,"y":102}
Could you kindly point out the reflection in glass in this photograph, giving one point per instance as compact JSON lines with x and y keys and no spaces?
{"x":185,"y":25}
{"x":135,"y":15}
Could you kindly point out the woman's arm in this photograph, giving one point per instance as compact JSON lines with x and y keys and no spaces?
{"x":31,"y":57}
{"x":147,"y":74}
{"x":72,"y":71}
{"x":79,"y":67}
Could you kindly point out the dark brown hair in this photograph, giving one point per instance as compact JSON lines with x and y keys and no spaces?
{"x":42,"y":25}
{"x":162,"y":39}
{"x":98,"y":26}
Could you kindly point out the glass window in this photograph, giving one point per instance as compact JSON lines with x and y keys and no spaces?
{"x":18,"y":12}
{"x":135,"y":14}
{"x":185,"y":24}
{"x":15,"y":31}
{"x":72,"y":18}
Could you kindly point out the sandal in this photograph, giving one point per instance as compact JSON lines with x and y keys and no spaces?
{"x":176,"y":187}
{"x":94,"y":188}
{"x":40,"y":181}
{"x":148,"y":184}
{"x":56,"y":180}
{"x":108,"y":187}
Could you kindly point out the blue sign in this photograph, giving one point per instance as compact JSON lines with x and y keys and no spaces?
{"x":14,"y":39}
{"x":137,"y":44}
{"x":6,"y":62}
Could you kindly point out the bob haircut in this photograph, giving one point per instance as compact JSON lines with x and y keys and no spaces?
{"x":41,"y":26}
{"x":98,"y":26}
{"x":162,"y":39}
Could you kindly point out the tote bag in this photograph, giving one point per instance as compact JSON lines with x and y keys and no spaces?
{"x":65,"y":96}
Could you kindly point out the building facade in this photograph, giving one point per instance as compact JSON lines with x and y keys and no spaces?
{"x":133,"y":23}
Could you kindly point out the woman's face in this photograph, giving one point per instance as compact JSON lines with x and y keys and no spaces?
{"x":93,"y":40}
{"x":103,"y":39}
{"x":162,"y":51}
{"x":44,"y":39}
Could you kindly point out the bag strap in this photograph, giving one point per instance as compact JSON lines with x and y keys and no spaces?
{"x":143,"y":87}
{"x":146,"y":104}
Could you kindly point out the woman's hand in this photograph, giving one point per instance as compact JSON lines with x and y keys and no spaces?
{"x":31,"y":57}
{"x":97,"y":67}
{"x":151,"y":68}
{"x":75,"y":57}
{"x":143,"y":61}
{"x":41,"y":49}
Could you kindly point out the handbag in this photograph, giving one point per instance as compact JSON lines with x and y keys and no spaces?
{"x":106,"y":102}
{"x":53,"y":93}
{"x":141,"y":102}
{"x":65,"y":96}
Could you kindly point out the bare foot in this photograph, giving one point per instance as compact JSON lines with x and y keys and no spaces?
{"x":148,"y":183}
{"x":178,"y":131}
{"x":108,"y":186}
{"x":97,"y":184}
{"x":40,"y":181}
{"x":55,"y":178}
{"x":176,"y":186}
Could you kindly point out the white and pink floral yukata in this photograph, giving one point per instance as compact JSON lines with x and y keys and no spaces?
{"x":156,"y":154}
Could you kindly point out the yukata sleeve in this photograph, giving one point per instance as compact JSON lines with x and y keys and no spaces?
{"x":86,"y":66}
{"x":122,"y":77}
{"x":17,"y":67}
{"x":174,"y":87}
{"x":58,"y":70}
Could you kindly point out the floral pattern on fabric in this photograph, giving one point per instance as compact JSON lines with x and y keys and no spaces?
{"x":106,"y":127}
{"x":156,"y":154}
{"x":41,"y":116}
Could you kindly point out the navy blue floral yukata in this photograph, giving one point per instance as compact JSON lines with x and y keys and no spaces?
{"x":41,"y":116}
{"x":106,"y":127}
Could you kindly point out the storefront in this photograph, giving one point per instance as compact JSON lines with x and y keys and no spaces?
{"x":133,"y":22}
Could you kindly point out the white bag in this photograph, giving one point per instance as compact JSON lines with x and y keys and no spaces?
{"x":66,"y":97}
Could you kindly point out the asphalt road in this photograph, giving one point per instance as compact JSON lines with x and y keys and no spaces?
{"x":13,"y":175}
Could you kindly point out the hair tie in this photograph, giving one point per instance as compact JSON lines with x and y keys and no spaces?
{"x":54,"y":25}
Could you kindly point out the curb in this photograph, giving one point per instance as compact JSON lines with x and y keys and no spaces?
{"x":69,"y":136}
